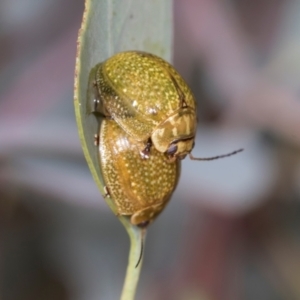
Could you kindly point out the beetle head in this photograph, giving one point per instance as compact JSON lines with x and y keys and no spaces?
{"x":175,"y":136}
{"x":180,"y":149}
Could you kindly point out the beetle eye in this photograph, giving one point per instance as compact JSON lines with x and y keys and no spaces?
{"x":172,"y":149}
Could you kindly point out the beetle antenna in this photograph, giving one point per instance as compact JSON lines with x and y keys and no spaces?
{"x":142,"y":247}
{"x":216,"y":157}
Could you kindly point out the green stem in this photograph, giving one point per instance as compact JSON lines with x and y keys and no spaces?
{"x":137,"y":236}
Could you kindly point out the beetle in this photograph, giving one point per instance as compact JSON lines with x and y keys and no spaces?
{"x":139,"y":188}
{"x":148,"y":99}
{"x":145,"y":103}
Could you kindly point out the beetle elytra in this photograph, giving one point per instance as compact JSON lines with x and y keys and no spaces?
{"x":140,"y":188}
{"x":149,"y":100}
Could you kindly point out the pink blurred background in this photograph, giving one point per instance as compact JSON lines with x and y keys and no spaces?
{"x":231,"y":231}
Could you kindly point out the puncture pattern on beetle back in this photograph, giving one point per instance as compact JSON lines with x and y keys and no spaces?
{"x":140,"y":188}
{"x":150,"y":126}
{"x":140,"y":91}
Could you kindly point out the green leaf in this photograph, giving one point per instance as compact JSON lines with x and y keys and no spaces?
{"x":108,"y":27}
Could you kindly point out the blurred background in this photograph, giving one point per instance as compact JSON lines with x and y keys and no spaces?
{"x":232,"y":229}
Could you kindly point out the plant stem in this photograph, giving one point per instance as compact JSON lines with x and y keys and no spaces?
{"x":137,"y":237}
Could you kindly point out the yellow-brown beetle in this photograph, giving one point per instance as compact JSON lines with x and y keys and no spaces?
{"x":140,"y":188}
{"x":145,"y":101}
{"x":148,"y":99}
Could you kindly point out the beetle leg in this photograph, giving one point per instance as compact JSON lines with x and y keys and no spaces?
{"x":96,"y":139}
{"x":99,"y":106}
{"x":107,"y":193}
{"x":171,"y":159}
{"x":96,"y":95}
{"x":145,"y":154}
{"x":182,"y":102}
{"x":109,"y":117}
